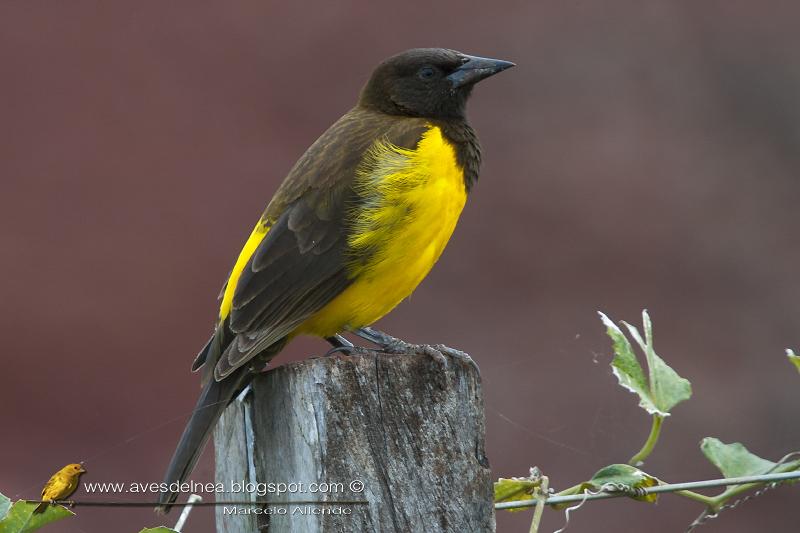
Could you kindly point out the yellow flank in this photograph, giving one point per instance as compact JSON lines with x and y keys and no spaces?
{"x":411,"y":201}
{"x":258,"y":234}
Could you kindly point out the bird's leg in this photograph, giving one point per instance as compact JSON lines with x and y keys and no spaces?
{"x":340,"y":344}
{"x":384,"y":340}
{"x":389,"y":344}
{"x":337,"y":341}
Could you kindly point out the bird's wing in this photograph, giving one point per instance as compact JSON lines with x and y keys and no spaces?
{"x":300,"y":265}
{"x":56,"y":487}
{"x":49,"y":488}
{"x":294,"y":272}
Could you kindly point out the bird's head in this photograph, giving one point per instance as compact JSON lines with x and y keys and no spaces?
{"x":427,"y":82}
{"x":74,"y":469}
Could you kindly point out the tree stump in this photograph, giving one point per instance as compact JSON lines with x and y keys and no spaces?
{"x":402,"y":434}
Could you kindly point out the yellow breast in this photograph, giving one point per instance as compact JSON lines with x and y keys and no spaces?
{"x":60,"y":486}
{"x":411,"y":201}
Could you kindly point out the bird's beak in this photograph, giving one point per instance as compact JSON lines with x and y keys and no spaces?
{"x":82,"y":471}
{"x":476,"y":69}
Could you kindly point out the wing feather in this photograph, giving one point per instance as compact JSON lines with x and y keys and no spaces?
{"x":300,"y":265}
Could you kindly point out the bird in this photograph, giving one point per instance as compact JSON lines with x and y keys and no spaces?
{"x":356,"y":225}
{"x":60,"y":485}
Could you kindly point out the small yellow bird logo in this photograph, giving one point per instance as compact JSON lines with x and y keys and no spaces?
{"x":61,"y":485}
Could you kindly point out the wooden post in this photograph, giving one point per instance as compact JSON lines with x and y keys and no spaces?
{"x":402,"y":433}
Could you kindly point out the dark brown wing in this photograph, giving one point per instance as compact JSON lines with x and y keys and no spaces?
{"x":300,"y":265}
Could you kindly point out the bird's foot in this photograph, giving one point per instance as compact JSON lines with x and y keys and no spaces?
{"x":438,"y":352}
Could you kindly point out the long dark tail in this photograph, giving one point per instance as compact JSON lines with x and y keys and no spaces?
{"x":40,"y":508}
{"x":213,"y":400}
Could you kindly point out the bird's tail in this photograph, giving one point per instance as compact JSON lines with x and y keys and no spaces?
{"x":41,"y":507}
{"x":213,"y":400}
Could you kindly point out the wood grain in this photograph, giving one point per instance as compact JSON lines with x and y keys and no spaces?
{"x":409,"y":429}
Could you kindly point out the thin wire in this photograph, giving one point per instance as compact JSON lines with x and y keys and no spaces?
{"x":618,"y":487}
{"x":705,"y":516}
{"x":667,"y":487}
{"x":586,"y":494}
{"x":125,"y":442}
{"x":100,"y":503}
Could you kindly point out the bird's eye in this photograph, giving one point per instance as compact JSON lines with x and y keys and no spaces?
{"x":426,"y":73}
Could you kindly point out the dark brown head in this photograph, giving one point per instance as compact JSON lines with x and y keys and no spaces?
{"x":427,"y":82}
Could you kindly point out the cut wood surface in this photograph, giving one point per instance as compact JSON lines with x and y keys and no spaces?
{"x":402,"y":433}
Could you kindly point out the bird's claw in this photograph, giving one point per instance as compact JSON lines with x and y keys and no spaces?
{"x":457,"y":354}
{"x":438,"y":352}
{"x":392,"y":345}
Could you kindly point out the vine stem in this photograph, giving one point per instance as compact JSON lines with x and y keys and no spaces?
{"x":537,"y":513}
{"x":787,"y":474}
{"x":708,"y":501}
{"x":719,"y":500}
{"x":650,"y":443}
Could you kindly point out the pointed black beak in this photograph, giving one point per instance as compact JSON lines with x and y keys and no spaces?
{"x":475,"y":69}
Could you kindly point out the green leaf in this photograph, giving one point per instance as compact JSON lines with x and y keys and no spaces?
{"x":625,"y":366}
{"x":626,"y":476}
{"x":734,"y":460}
{"x":661,"y":388}
{"x":517,"y":488}
{"x":160,"y":529}
{"x":20,"y":518}
{"x":619,"y":477}
{"x":5,"y":505}
{"x":793,"y":358}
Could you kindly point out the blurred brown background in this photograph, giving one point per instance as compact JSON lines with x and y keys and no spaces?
{"x":642,"y":154}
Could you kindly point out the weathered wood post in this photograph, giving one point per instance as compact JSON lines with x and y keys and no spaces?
{"x":402,"y":433}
